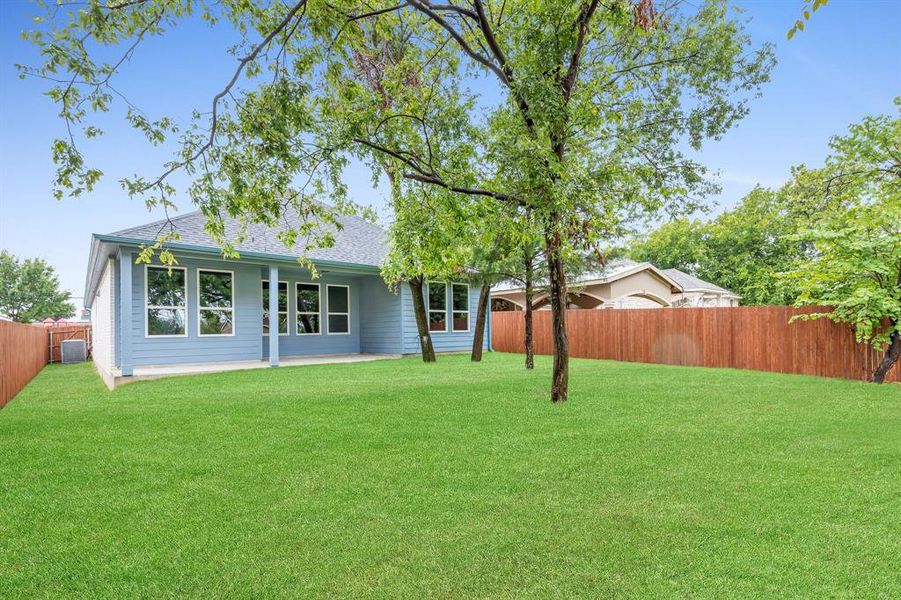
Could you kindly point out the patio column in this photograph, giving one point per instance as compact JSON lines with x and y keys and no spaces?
{"x":273,"y":316}
{"x":126,"y":292}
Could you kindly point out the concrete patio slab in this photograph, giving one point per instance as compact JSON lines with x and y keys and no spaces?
{"x":145,"y":373}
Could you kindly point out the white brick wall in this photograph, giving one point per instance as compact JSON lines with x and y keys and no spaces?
{"x":103,"y":320}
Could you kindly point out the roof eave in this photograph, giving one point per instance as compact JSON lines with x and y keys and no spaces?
{"x":284,"y":258}
{"x":711,"y":291}
{"x":89,"y":279}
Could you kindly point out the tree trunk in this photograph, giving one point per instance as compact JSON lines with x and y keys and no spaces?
{"x":530,"y":344}
{"x":557,"y":289}
{"x":481,"y":313}
{"x":894,"y":348}
{"x":892,"y":355}
{"x":422,"y":320}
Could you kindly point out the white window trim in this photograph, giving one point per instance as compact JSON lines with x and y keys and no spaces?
{"x":453,"y":311}
{"x":147,"y":306}
{"x":232,"y":310}
{"x":307,"y":312}
{"x":328,"y":314}
{"x":287,"y":312}
{"x":428,"y":306}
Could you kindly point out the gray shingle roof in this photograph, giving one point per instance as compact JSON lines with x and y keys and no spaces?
{"x":690,"y":282}
{"x":358,"y":241}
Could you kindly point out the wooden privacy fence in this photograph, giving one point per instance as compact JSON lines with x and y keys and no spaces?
{"x":744,"y":337}
{"x":59,"y":333}
{"x":24,"y":350}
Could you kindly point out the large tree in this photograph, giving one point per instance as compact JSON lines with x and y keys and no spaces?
{"x":29,"y":290}
{"x":856,"y":267}
{"x":591,"y":106}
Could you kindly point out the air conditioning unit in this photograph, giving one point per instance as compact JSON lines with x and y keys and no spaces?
{"x":73,"y":351}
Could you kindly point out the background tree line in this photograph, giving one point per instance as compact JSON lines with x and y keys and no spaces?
{"x":829,"y":237}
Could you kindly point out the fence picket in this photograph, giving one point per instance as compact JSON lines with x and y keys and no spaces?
{"x":745,"y":337}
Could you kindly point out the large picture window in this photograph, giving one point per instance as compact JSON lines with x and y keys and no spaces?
{"x":460,"y":306}
{"x":338,"y":309}
{"x":215,"y":302}
{"x":282,"y":307}
{"x":437,"y":297}
{"x":166,"y":301}
{"x":307,"y":308}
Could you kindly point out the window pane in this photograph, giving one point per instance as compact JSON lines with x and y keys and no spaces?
{"x":337,"y":299}
{"x":283,"y":297}
{"x":338,"y":324}
{"x":437,"y":296}
{"x":307,"y":324}
{"x":215,"y":289}
{"x":165,"y":321}
{"x":461,"y":321}
{"x":460,"y":295}
{"x":282,"y":307}
{"x":165,"y":288}
{"x":282,"y":322}
{"x":215,"y":322}
{"x":437,"y":321}
{"x":307,"y":297}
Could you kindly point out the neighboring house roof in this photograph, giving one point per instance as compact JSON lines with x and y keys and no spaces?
{"x":358,"y":243}
{"x":612,"y":271}
{"x":623,"y":267}
{"x":690,"y":283}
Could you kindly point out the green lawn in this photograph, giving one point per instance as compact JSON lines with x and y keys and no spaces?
{"x":395,"y":478}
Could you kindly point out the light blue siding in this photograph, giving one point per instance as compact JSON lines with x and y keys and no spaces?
{"x":126,"y":276}
{"x":117,"y":326}
{"x":243,"y":345}
{"x":381,"y":321}
{"x":323,"y":342}
{"x":442,"y":341}
{"x":380,"y":317}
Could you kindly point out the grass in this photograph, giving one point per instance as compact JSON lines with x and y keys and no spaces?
{"x":399,"y":479}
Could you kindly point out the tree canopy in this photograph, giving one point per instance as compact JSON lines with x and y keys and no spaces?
{"x":593,"y":105}
{"x":747,"y":248}
{"x":29,"y":290}
{"x":856,"y":267}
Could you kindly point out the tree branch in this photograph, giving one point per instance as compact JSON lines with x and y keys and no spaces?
{"x":242,"y":63}
{"x":582,"y":23}
{"x":425,"y":176}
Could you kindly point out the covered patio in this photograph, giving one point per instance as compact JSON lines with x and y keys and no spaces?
{"x":143,"y":373}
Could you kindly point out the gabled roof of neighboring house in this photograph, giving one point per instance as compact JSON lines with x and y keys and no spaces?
{"x":359,"y":244}
{"x":623,"y":267}
{"x":357,"y":241}
{"x":614,"y":270}
{"x":690,"y":283}
{"x":619,"y":268}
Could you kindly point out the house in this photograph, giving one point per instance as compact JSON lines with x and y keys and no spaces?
{"x":624,"y":284}
{"x":699,"y":293}
{"x":208,"y":310}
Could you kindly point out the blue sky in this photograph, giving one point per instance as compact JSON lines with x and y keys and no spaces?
{"x":847,"y":64}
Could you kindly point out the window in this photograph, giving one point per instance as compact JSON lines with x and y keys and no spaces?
{"x":215,"y":302}
{"x":437,"y":306}
{"x":166,"y":301}
{"x":460,"y":306}
{"x":282,"y":307}
{"x":338,"y":307}
{"x":307,"y":308}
